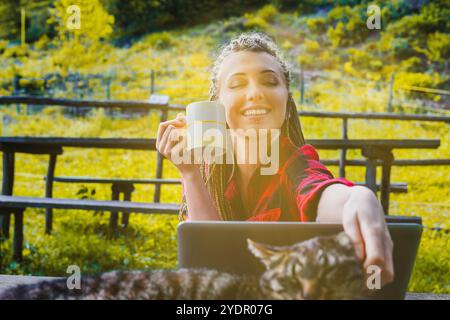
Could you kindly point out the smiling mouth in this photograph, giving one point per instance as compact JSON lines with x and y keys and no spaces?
{"x":255,"y":112}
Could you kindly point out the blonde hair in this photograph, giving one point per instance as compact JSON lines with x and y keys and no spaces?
{"x":255,"y":42}
{"x":216,"y":176}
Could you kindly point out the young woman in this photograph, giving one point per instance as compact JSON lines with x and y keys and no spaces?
{"x":251,"y":79}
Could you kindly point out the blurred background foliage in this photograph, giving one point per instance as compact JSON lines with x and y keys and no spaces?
{"x":123,"y":40}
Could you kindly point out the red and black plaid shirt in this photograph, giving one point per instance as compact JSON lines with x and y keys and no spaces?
{"x":290,"y":195}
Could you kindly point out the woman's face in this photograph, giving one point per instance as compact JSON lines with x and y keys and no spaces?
{"x":253,"y":90}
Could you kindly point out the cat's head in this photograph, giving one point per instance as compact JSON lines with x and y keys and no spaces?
{"x":319,"y":268}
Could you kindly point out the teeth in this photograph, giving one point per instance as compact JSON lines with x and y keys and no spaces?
{"x":255,"y":112}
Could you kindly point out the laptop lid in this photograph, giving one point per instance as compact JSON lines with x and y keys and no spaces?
{"x":222,"y":245}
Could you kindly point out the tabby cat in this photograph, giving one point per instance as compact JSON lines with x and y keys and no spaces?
{"x":319,"y":268}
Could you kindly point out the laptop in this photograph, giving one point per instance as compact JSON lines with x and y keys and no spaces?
{"x":222,"y":245}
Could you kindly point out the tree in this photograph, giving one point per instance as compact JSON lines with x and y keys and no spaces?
{"x":80,"y":47}
{"x":96,"y":22}
{"x":10,"y":19}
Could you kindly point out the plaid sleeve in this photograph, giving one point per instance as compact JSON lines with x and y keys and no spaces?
{"x":310,"y":185}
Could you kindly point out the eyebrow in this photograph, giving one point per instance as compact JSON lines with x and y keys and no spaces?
{"x":242,"y":73}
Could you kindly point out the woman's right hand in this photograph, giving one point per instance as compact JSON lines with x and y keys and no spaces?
{"x":171,"y":143}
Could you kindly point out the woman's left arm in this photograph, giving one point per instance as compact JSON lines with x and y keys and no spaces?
{"x":362,"y":216}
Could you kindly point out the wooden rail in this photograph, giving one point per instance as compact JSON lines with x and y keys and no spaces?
{"x":165,"y":108}
{"x":124,"y":104}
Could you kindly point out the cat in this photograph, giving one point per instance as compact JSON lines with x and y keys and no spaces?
{"x":319,"y":268}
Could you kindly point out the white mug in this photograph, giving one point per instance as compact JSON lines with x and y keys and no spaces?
{"x":206,"y":126}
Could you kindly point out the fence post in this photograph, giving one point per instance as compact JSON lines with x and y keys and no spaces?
{"x":386,"y":181}
{"x":152,"y":82}
{"x":86,"y":89}
{"x":342,"y":158}
{"x":16,"y":89}
{"x":7,"y":189}
{"x":18,"y":235}
{"x":110,"y":111}
{"x":75,"y":85}
{"x":127,"y":190}
{"x":49,"y":191}
{"x":108,"y":89}
{"x":391,"y":93}
{"x":16,"y":84}
{"x":75,"y":91}
{"x":22,"y":26}
{"x":114,"y":215}
{"x":7,"y":120}
{"x":302,"y":85}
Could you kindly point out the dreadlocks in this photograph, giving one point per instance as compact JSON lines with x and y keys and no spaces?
{"x":216,"y":175}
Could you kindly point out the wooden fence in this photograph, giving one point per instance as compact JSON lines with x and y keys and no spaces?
{"x":133,"y":106}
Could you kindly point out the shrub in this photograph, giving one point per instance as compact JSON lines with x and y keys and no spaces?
{"x":267,"y":13}
{"x":402,"y":48}
{"x":160,"y":40}
{"x":254,"y":22}
{"x":3,"y":46}
{"x":43,"y":43}
{"x":347,"y":25}
{"x":317,"y":25}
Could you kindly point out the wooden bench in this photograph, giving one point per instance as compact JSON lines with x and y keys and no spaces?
{"x":17,"y":205}
{"x":373,"y":150}
{"x":118,"y":186}
{"x":126,"y":187}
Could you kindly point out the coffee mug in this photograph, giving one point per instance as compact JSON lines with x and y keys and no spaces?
{"x":206,"y":126}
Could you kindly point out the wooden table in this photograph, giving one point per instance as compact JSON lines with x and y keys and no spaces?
{"x":53,"y":147}
{"x":373,"y":150}
{"x":7,"y":281}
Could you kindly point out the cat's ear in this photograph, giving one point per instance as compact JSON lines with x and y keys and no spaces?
{"x":344,"y":240}
{"x":267,"y":254}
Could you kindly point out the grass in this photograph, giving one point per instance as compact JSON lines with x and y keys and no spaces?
{"x":83,"y":238}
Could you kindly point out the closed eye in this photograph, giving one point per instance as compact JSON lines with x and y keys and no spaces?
{"x":271,"y":81}
{"x":236,"y":85}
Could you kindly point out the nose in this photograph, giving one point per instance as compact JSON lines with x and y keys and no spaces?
{"x":310,"y":295}
{"x":310,"y":292}
{"x":254,"y":92}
